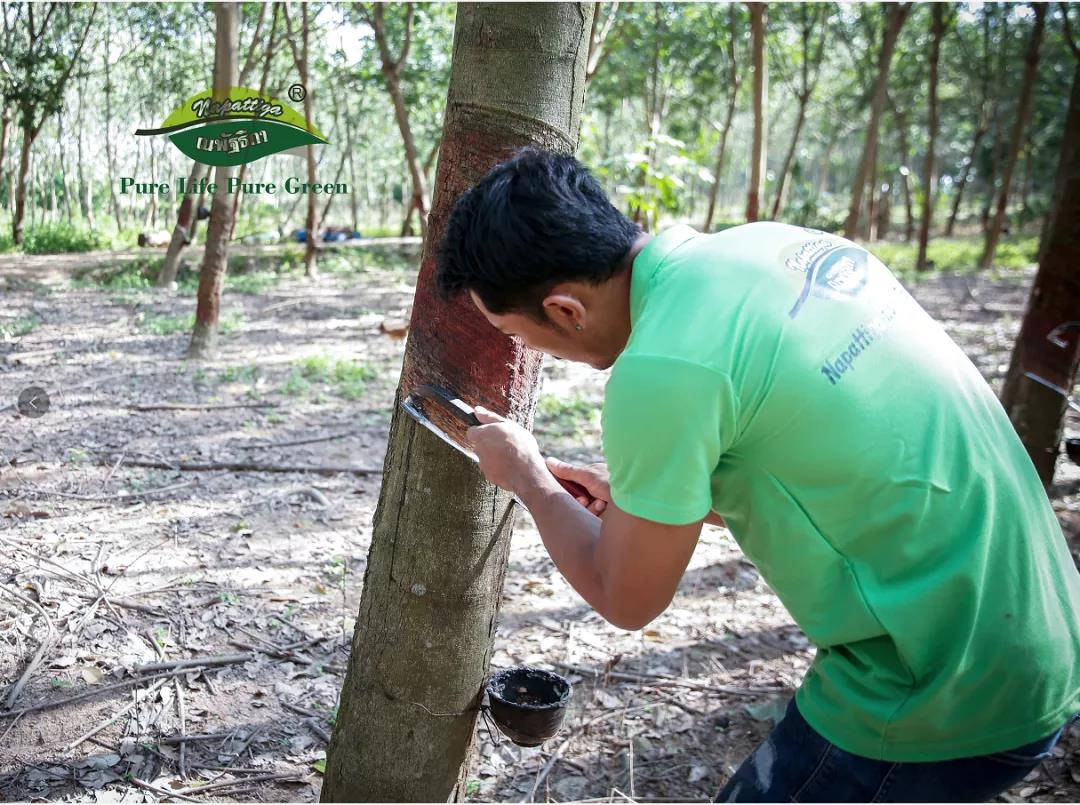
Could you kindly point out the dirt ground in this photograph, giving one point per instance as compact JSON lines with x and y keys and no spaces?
{"x":109,"y":569}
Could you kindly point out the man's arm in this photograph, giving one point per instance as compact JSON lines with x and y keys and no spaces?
{"x":625,"y":567}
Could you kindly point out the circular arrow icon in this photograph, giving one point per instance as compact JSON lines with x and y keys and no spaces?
{"x":33,"y":402}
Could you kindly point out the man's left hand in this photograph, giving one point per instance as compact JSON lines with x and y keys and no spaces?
{"x":509,"y":456}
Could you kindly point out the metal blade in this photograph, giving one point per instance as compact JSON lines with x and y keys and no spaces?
{"x":1042,"y":381}
{"x":410,"y":408}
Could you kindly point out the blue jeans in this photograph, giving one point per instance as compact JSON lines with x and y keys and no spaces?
{"x":796,"y":764}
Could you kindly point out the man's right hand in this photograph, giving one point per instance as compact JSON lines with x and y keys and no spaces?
{"x":594,"y":477}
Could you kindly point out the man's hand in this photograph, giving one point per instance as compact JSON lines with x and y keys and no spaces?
{"x":509,"y":456}
{"x":594,"y":477}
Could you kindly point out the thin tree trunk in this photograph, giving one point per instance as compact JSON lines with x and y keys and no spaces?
{"x":810,"y":61}
{"x":215,"y":258}
{"x":760,"y":107}
{"x":426,"y":626}
{"x":1023,"y":112}
{"x":1038,"y":412}
{"x":997,"y":149}
{"x":391,"y":70}
{"x":937,"y":31}
{"x":964,"y":177}
{"x":895,"y":16}
{"x":248,"y":62}
{"x":352,"y":171}
{"x":20,"y":191}
{"x":5,"y":126}
{"x":905,"y":170}
{"x":108,"y":129}
{"x":184,"y":229}
{"x":86,"y":201}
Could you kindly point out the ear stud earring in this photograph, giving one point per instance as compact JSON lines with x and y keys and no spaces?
{"x":578,"y":327}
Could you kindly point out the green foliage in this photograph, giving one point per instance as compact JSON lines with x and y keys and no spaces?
{"x":16,"y":328}
{"x":60,"y":238}
{"x":136,"y":274}
{"x":957,"y":254}
{"x":346,"y":378}
{"x":167,"y":324}
{"x":7,"y":244}
{"x":571,"y":416}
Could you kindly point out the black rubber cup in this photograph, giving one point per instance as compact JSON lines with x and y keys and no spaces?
{"x":528,"y":704}
{"x":1072,"y":449}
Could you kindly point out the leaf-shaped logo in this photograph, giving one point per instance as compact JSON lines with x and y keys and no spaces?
{"x":243,"y":127}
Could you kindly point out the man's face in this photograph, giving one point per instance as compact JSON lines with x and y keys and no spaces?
{"x":551,"y":337}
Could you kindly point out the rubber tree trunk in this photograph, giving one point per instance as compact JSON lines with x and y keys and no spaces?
{"x":216,"y":255}
{"x":5,"y":127}
{"x":937,"y":31}
{"x":734,"y":82}
{"x":1016,"y":140}
{"x":1036,"y":411}
{"x":310,"y":255}
{"x":183,"y":231}
{"x":20,"y":189}
{"x":426,"y":625}
{"x":895,"y":16}
{"x":760,"y":107}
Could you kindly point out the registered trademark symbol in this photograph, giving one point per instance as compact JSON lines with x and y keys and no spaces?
{"x":297,"y":92}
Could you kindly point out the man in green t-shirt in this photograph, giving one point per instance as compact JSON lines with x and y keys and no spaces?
{"x":783,"y":380}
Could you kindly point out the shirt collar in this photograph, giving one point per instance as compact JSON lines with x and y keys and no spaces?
{"x":648,"y":262}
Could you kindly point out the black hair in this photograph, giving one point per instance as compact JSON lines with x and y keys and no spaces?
{"x":533,"y":221}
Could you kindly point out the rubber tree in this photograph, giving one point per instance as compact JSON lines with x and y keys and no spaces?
{"x":896,"y":15}
{"x":216,"y":255}
{"x":809,"y":70}
{"x":302,"y":57}
{"x":982,"y":123}
{"x":36,"y":83}
{"x":937,"y":32}
{"x":441,"y":534}
{"x":392,"y":67}
{"x":734,"y":81}
{"x":1047,"y":346}
{"x":756,"y":190}
{"x":1016,"y":140}
{"x":182,"y":232}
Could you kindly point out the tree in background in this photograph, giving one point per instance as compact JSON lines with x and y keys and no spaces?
{"x":937,"y":31}
{"x":810,"y":17}
{"x":426,"y":624}
{"x":895,"y":14}
{"x":760,"y":104}
{"x":34,"y":74}
{"x":216,"y":256}
{"x":375,"y":15}
{"x":733,"y":81}
{"x":983,"y":68}
{"x":1046,"y":346}
{"x":301,"y":57}
{"x":1023,"y":113}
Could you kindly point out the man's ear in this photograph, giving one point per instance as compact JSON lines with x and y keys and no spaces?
{"x":565,"y":311}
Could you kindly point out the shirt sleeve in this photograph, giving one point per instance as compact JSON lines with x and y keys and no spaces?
{"x":666,"y":423}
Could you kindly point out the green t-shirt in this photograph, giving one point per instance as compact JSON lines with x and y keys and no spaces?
{"x":785,"y":379}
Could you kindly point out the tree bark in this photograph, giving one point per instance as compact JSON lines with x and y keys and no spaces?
{"x":426,"y":625}
{"x":937,"y":31}
{"x":86,"y":200}
{"x":1023,"y":112}
{"x":391,"y":70}
{"x":895,"y":16}
{"x":310,"y":255}
{"x":809,"y":62}
{"x":1036,"y":411}
{"x":905,"y":170}
{"x":183,"y":231}
{"x":215,"y":257}
{"x":115,"y":202}
{"x":5,"y":126}
{"x":248,"y":63}
{"x":760,"y":108}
